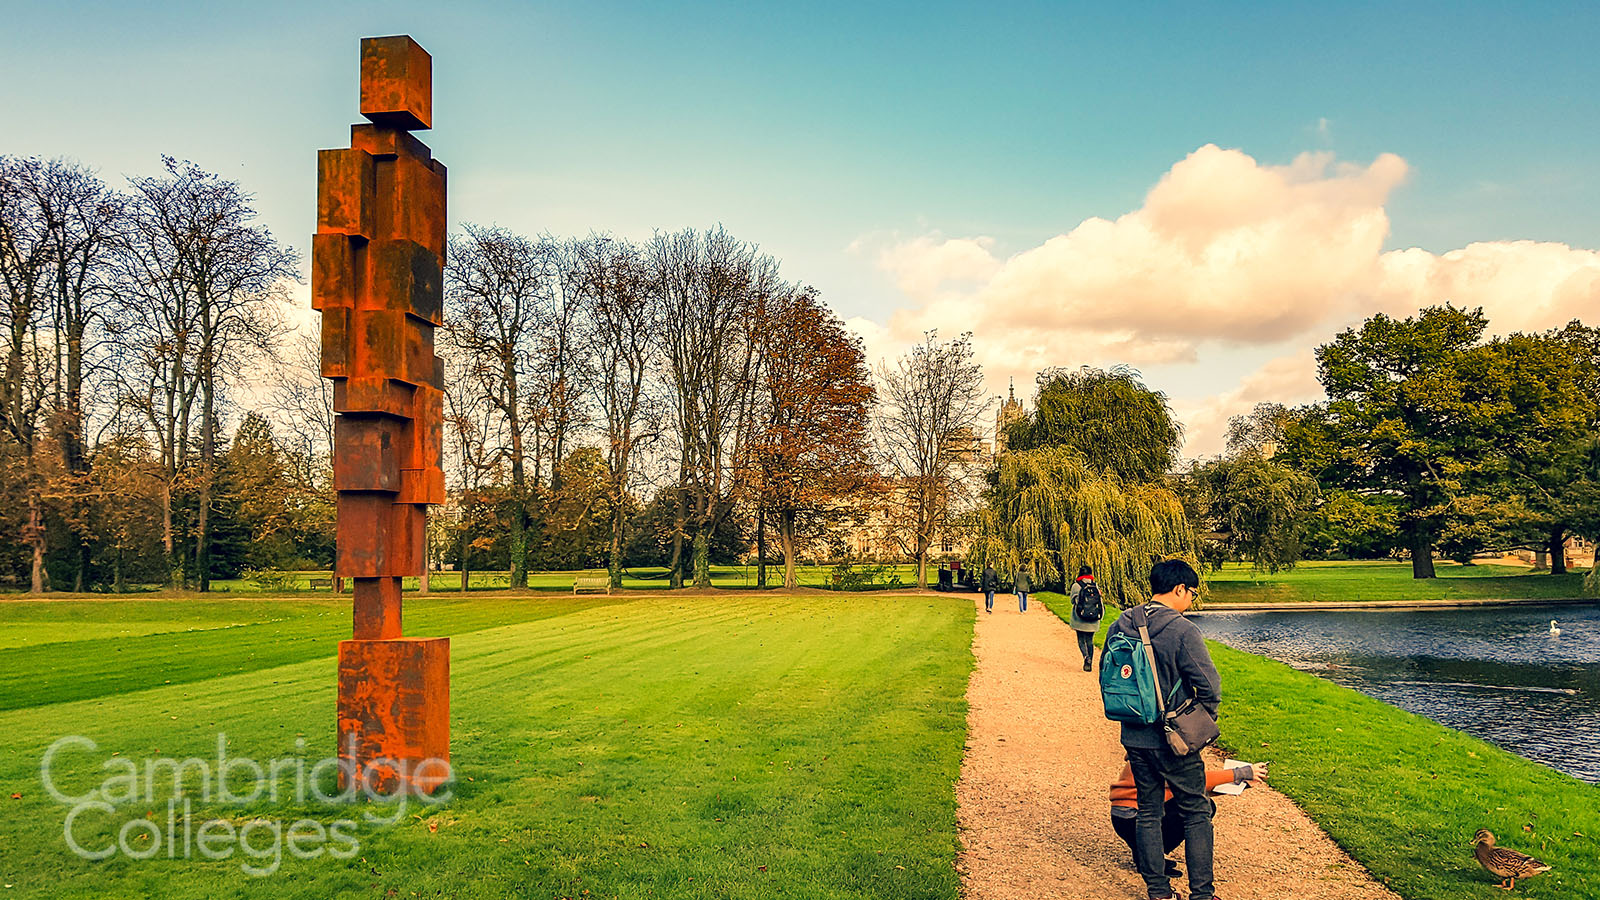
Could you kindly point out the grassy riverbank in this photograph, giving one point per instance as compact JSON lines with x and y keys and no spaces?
{"x":1353,"y":582}
{"x":1403,"y":794}
{"x":741,"y":746}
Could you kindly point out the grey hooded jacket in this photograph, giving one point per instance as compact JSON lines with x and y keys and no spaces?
{"x":1181,"y":658}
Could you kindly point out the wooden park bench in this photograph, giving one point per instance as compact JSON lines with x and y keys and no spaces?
{"x":319,"y":583}
{"x":591,"y":583}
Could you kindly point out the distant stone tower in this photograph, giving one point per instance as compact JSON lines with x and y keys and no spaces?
{"x":1010,"y":411}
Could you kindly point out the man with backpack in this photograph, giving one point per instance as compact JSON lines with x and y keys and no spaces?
{"x":1155,"y":660}
{"x":1087,"y":611}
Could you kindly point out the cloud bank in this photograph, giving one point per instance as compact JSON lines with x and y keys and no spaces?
{"x":1225,"y":253}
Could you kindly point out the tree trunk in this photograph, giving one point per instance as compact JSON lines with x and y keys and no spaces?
{"x":702,"y":557}
{"x":1558,"y":551}
{"x":679,"y":523}
{"x":1421,"y":551}
{"x":35,"y":538}
{"x":208,"y":452}
{"x":118,"y":583}
{"x":761,"y":547}
{"x":786,"y":537}
{"x":519,"y":543}
{"x":174,"y":570}
{"x":614,"y":558}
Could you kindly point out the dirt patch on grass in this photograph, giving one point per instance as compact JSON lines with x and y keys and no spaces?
{"x":1034,"y":812}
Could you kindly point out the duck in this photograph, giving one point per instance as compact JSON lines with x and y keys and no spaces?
{"x":1508,"y":864}
{"x":1554,"y":631}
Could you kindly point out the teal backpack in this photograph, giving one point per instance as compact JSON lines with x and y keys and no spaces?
{"x":1127,"y":675}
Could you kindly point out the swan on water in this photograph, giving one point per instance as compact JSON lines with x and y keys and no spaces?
{"x":1554,"y":631}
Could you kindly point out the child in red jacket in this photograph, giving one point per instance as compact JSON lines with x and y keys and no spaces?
{"x":1125,"y":805}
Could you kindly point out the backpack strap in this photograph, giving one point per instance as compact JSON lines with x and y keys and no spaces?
{"x":1143,"y":621}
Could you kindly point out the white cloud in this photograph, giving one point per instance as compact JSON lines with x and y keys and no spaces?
{"x":1225,"y":253}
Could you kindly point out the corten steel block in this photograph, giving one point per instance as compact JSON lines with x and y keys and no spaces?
{"x":374,"y":394}
{"x":377,"y":608}
{"x":369,"y":453}
{"x":408,"y":534}
{"x":419,"y":352}
{"x":406,"y":276}
{"x":333,"y":270}
{"x":380,"y":343}
{"x":346,"y":181}
{"x":396,"y":82}
{"x":421,"y":486}
{"x":336,"y":346}
{"x":394,"y":712}
{"x":384,"y":142}
{"x":428,"y":406}
{"x":410,"y":195}
{"x":365,"y":545}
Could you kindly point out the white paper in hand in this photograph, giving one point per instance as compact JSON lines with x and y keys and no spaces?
{"x":1231,"y":788}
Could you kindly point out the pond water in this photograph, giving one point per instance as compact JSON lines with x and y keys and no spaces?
{"x":1495,"y":673}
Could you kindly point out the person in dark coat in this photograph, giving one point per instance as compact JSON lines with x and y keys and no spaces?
{"x":1023,"y":586}
{"x":990,"y":583}
{"x":1181,"y":661}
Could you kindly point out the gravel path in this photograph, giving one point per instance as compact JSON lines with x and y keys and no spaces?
{"x":1034,"y":810}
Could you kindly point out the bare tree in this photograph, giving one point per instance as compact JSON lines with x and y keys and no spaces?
{"x":202,"y":293}
{"x":932,"y":400}
{"x":709,"y":284}
{"x":623,"y":323}
{"x":82,"y":217}
{"x":25,"y":248}
{"x":498,"y":285}
{"x":561,"y":364}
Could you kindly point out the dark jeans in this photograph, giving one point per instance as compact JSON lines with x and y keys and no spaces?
{"x":1171,"y":832}
{"x":1086,"y":645}
{"x":1171,"y":829}
{"x":988,"y":600}
{"x":1153,"y":772}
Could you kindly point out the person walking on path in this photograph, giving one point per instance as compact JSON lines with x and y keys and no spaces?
{"x":1023,"y":587}
{"x":1087,"y":611}
{"x":990,"y":582}
{"x":1181,"y":658}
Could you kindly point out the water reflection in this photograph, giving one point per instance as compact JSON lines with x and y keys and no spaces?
{"x":1494,"y":673}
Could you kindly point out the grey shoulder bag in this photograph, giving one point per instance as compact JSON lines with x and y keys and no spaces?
{"x":1188,"y":727}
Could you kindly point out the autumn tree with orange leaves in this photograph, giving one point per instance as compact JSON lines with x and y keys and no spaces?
{"x":809,"y":451}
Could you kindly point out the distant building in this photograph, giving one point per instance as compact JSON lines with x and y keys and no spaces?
{"x":1010,"y":412}
{"x":875,"y":531}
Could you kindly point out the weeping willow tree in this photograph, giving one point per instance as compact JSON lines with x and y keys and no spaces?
{"x":1049,"y":511}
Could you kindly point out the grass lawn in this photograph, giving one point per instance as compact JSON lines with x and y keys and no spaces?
{"x":1401,"y":793}
{"x":1351,"y":582}
{"x":739,"y":746}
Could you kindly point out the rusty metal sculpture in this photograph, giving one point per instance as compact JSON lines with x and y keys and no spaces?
{"x":377,"y":277}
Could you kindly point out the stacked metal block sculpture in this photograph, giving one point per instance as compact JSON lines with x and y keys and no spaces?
{"x":377,"y":277}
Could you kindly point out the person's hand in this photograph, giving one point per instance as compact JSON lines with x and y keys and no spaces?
{"x":1259,"y":770}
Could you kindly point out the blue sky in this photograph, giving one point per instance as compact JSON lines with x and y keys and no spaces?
{"x":827,"y":133}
